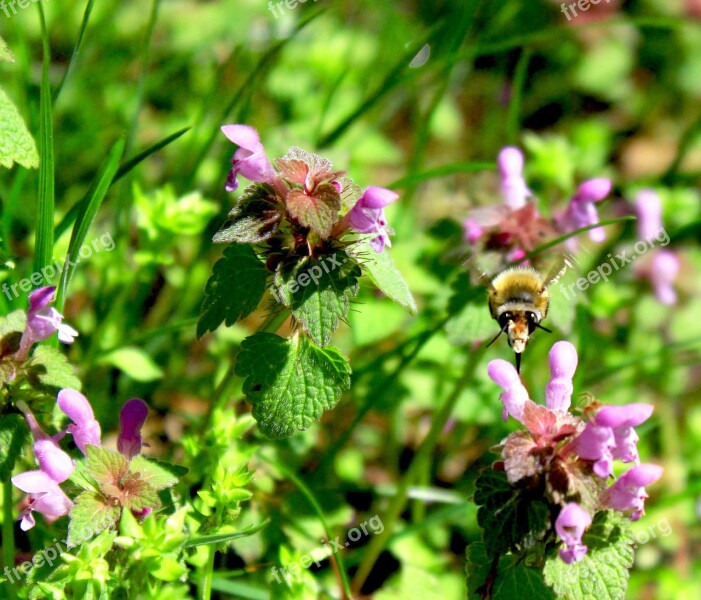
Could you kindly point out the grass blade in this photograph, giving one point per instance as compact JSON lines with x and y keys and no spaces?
{"x":45,"y":225}
{"x":76,"y":49}
{"x":462,"y":167}
{"x":216,"y":538}
{"x":87,"y":209}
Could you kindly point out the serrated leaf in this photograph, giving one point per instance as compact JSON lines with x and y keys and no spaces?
{"x":290,"y":382}
{"x":50,"y":368}
{"x":105,"y":466}
{"x":603,"y":572}
{"x":234,"y":290}
{"x":5,"y":53}
{"x":13,"y":435}
{"x":81,"y":478}
{"x":319,"y":292}
{"x":511,"y":518}
{"x":134,"y":362}
{"x":384,"y":275}
{"x":16,"y":143}
{"x":91,"y":514}
{"x":512,"y":577}
{"x":254,"y":219}
{"x":318,"y":210}
{"x":156,"y":474}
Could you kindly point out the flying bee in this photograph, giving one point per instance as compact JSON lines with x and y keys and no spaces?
{"x":519,"y":302}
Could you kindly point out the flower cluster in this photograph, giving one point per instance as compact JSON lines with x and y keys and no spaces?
{"x":515,"y":226}
{"x":572,"y":459}
{"x":56,"y":466}
{"x":305,"y":192}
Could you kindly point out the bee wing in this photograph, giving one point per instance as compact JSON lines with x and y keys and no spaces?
{"x":477,"y":272}
{"x":557,"y":270}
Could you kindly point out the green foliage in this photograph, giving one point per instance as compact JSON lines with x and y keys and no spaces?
{"x":5,"y":53}
{"x":49,"y":371}
{"x":385,"y":276}
{"x":134,"y":362}
{"x":603,"y":572}
{"x":290,"y":382}
{"x":470,"y":320}
{"x":318,"y":211}
{"x":16,"y":143}
{"x":511,"y":518}
{"x":254,"y":219}
{"x":14,"y":434}
{"x":234,"y":290}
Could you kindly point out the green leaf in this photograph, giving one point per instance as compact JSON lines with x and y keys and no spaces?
{"x":470,"y":320}
{"x":319,"y":292}
{"x":14,"y":434}
{"x":254,"y":219}
{"x":105,"y":466}
{"x":156,"y":474}
{"x":384,"y":275}
{"x":234,"y":290}
{"x":217,"y":538}
{"x":603,"y":573}
{"x":5,"y":53}
{"x":49,"y":368}
{"x":87,"y":209}
{"x":134,"y":362}
{"x":318,"y":211}
{"x":11,"y":328}
{"x":290,"y":382}
{"x":511,"y":518}
{"x":16,"y":143}
{"x":91,"y":514}
{"x":512,"y":577}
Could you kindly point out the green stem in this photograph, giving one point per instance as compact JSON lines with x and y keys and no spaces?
{"x":391,"y":515}
{"x":8,"y":533}
{"x":206,"y":589}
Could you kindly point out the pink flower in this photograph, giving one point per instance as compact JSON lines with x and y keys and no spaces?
{"x":131,"y":420}
{"x":472,"y":230}
{"x":648,"y":208}
{"x":570,"y":525}
{"x":514,"y":190}
{"x":52,"y":460}
{"x":42,"y":321}
{"x":368,"y":215}
{"x":581,"y":211}
{"x":664,"y":270}
{"x":515,"y":395}
{"x":621,"y":420}
{"x":250,"y":159}
{"x":563,"y":363}
{"x":628,"y":493}
{"x":596,"y":443}
{"x":85,"y":429}
{"x":45,"y":497}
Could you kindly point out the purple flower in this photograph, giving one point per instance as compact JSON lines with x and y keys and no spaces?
{"x":250,"y":160}
{"x":596,"y":443}
{"x":514,"y":395}
{"x":649,"y":211}
{"x":472,"y":230}
{"x":52,"y":460}
{"x":131,"y":420}
{"x":85,"y":429}
{"x":570,"y":526}
{"x":628,"y":493}
{"x":514,"y":190}
{"x":622,"y":419}
{"x":45,"y":497}
{"x":664,"y":270}
{"x":581,"y":211}
{"x":368,"y":215}
{"x":563,"y":363}
{"x":42,"y":321}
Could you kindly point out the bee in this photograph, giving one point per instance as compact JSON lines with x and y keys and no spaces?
{"x":519,"y":302}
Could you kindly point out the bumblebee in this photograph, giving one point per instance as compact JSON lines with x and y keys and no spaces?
{"x":519,"y":301}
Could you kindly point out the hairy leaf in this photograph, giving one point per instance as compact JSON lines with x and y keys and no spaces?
{"x":13,"y":435}
{"x":49,"y":368}
{"x":290,"y":382}
{"x":254,"y":219}
{"x":91,"y":514}
{"x":318,"y":210}
{"x":16,"y":143}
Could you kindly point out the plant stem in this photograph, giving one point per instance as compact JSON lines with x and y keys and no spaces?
{"x":394,"y":510}
{"x":8,"y":533}
{"x":206,"y":589}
